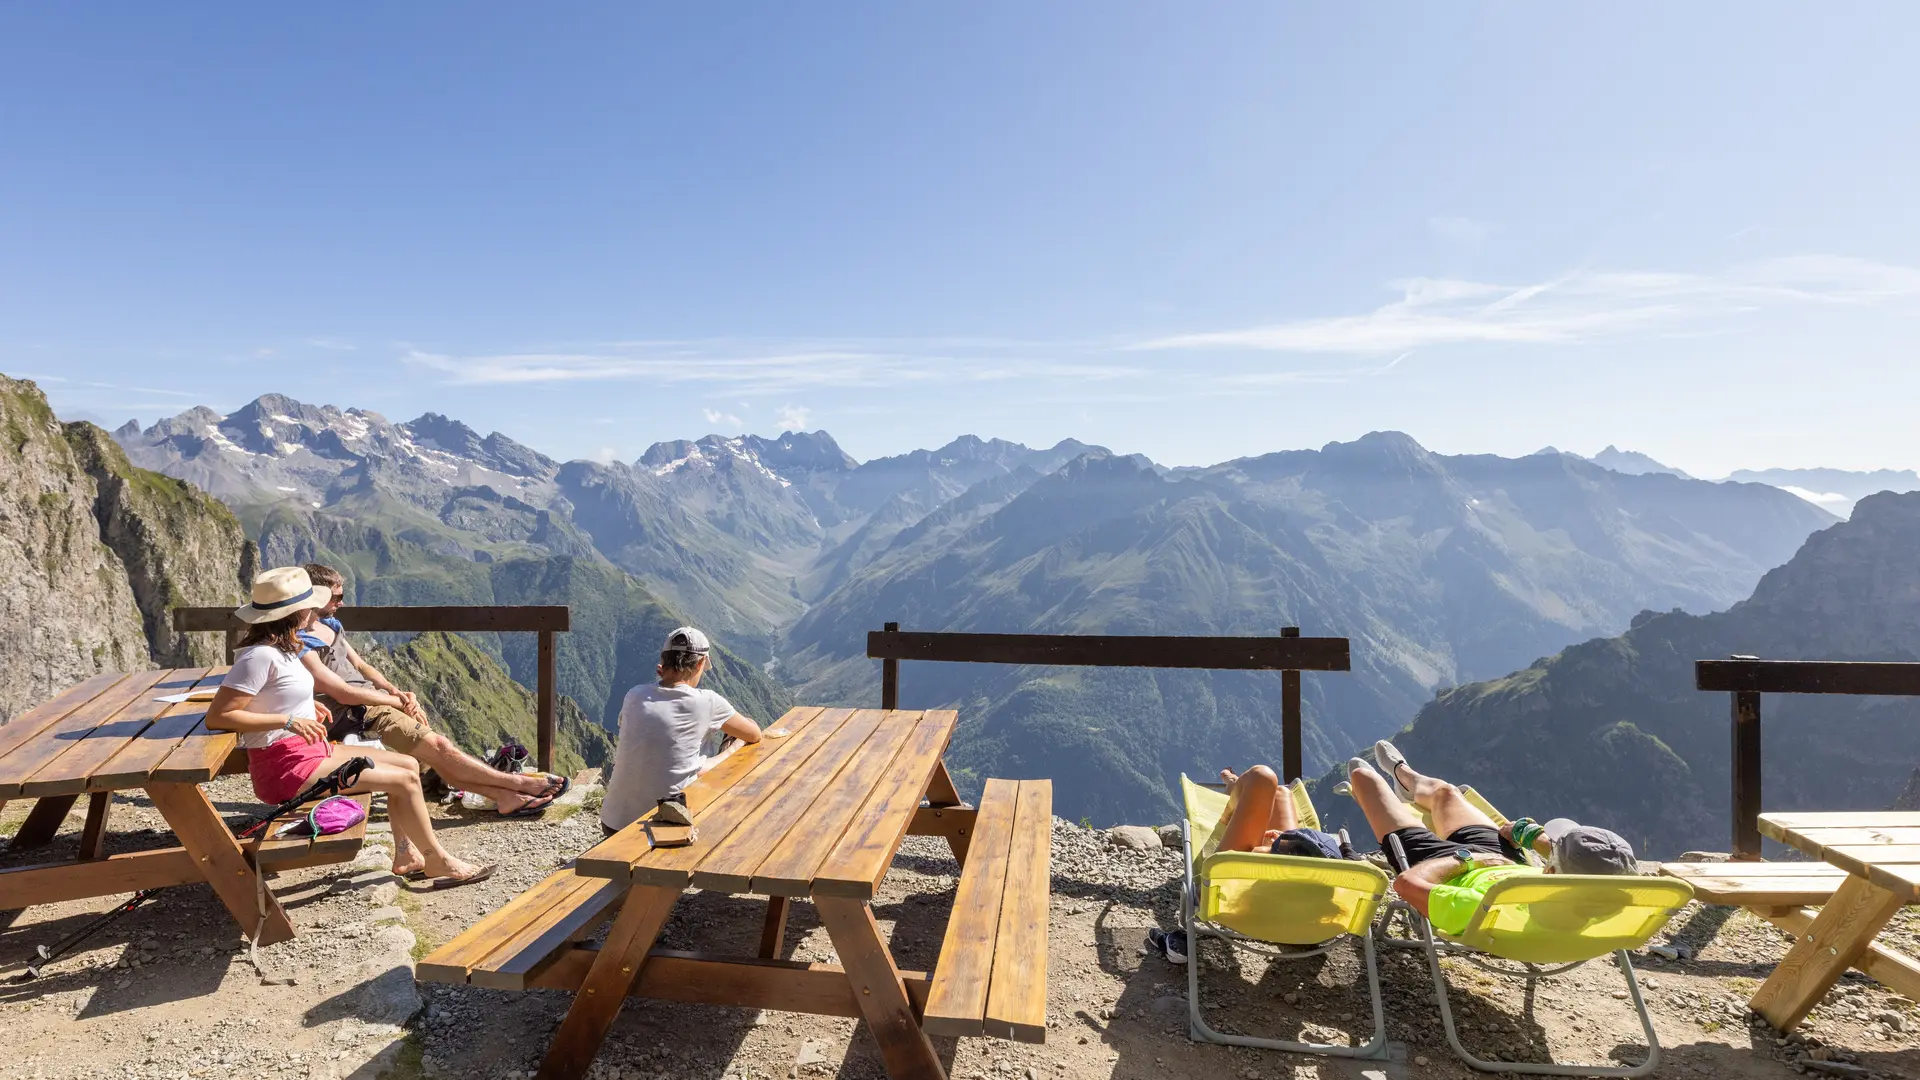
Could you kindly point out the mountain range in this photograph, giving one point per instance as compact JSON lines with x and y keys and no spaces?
{"x":1612,"y":732}
{"x":1441,"y":569}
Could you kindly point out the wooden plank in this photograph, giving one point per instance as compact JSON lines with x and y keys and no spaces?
{"x":1902,"y":879}
{"x":43,"y":822}
{"x":1843,"y":819}
{"x":22,"y":728}
{"x":1746,"y":776}
{"x":55,"y":883}
{"x":613,"y":857}
{"x":702,"y":979}
{"x":611,"y":977}
{"x":1807,"y":677}
{"x":93,"y":838}
{"x":219,"y":857}
{"x":957,"y":1001}
{"x":866,"y":849}
{"x":1793,"y":868}
{"x":1895,"y":970}
{"x":777,"y":768}
{"x":376,"y":619}
{"x":133,"y":765}
{"x":455,"y":960}
{"x":1767,"y":891}
{"x":544,"y":685}
{"x":1218,"y":653}
{"x":198,"y":757}
{"x":730,"y":861}
{"x":773,"y":931}
{"x":884,"y":1002}
{"x":292,"y":852}
{"x":68,"y":732}
{"x":1017,"y":997}
{"x":788,"y":868}
{"x":1833,"y":942}
{"x":533,"y":943}
{"x":72,"y":771}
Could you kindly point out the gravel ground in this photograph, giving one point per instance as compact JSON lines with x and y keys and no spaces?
{"x":167,"y":991}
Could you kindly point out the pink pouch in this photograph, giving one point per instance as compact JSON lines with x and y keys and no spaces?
{"x":332,"y":815}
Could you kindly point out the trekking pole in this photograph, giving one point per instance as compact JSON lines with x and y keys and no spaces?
{"x":47,"y":954}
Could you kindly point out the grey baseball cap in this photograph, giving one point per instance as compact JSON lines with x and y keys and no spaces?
{"x":1584,"y":849}
{"x":687,"y":639}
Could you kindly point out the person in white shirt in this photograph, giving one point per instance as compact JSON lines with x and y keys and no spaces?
{"x":267,"y":697}
{"x":663,"y":730}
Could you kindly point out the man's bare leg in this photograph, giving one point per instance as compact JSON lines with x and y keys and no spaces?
{"x":509,"y":791}
{"x":1385,"y":812}
{"x":1449,"y":809}
{"x":1259,"y":808}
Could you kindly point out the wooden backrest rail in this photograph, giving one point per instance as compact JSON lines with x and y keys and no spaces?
{"x":1289,"y":654}
{"x":543,"y":619}
{"x":1745,"y":678}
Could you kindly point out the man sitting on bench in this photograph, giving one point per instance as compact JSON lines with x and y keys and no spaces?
{"x":365,"y":703}
{"x":1451,"y":866}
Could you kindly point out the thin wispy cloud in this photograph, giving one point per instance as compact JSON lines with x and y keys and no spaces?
{"x":715,"y":416}
{"x":1579,"y":306}
{"x":770,"y":372}
{"x":793,"y":417}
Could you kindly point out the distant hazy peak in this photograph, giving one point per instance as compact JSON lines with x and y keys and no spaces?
{"x":801,"y":452}
{"x":1633,"y":463}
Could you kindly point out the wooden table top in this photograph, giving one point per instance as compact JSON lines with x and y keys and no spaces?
{"x":1882,"y":846}
{"x":109,"y":733}
{"x":820,"y":812}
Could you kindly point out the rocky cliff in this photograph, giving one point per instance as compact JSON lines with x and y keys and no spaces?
{"x":93,"y":551}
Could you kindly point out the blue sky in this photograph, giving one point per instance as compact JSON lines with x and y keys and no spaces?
{"x":1194,"y":231}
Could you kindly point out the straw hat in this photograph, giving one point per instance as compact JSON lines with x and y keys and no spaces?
{"x":279,"y":593}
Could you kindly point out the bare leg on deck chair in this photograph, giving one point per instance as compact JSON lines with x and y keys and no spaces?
{"x":1386,"y":813}
{"x":1259,"y":809}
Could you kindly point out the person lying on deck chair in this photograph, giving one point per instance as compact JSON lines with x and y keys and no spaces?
{"x":267,"y":698}
{"x":1451,"y":866}
{"x":1260,"y":816}
{"x":365,"y":703}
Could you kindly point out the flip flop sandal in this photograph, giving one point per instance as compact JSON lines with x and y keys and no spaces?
{"x":533,"y":807}
{"x":414,"y":875}
{"x":474,"y":878}
{"x":557,"y":786}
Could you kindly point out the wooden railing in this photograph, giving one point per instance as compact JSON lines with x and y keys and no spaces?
{"x":1289,"y":654}
{"x":545,"y":620}
{"x":1747,"y":677}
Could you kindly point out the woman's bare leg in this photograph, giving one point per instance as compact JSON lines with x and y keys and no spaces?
{"x":406,"y":806}
{"x":1257,"y":805}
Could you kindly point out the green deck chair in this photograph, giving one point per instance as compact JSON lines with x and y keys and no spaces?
{"x":1304,"y":905}
{"x":1563,"y":920}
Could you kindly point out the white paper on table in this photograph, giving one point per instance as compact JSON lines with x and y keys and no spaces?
{"x":191,"y":695}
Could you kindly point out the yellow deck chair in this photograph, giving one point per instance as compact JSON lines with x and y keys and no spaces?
{"x":1305,"y":905}
{"x":1559,"y":919}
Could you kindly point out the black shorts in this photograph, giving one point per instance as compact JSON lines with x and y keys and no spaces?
{"x":1421,"y":844}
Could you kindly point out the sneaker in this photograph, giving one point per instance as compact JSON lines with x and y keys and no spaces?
{"x":1389,"y":758}
{"x":673,"y":810}
{"x":1172,"y":944}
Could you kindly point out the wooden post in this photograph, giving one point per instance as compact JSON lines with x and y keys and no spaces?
{"x":1292,"y":756}
{"x":93,"y":839}
{"x":233,"y":643}
{"x":1746,"y":775}
{"x":548,"y":676}
{"x":890,"y":676}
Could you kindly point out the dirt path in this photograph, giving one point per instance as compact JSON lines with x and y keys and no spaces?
{"x":167,"y":992}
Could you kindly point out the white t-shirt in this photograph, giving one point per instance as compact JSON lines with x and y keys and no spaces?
{"x":663,"y":730}
{"x":279,"y":684}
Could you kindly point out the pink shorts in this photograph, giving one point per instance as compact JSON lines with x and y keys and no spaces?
{"x":282,"y":770}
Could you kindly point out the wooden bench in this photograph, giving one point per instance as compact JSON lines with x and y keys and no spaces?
{"x":293,"y":852}
{"x":1787,"y":895}
{"x":512,"y":945}
{"x":991,"y":978}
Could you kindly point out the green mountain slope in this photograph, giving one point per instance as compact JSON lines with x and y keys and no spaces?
{"x":1612,"y":730}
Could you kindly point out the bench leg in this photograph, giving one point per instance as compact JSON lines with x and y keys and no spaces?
{"x":43,"y":822}
{"x":1832,"y":943}
{"x":235,"y":881}
{"x":774,"y":933}
{"x":615,"y":969}
{"x":878,"y":988}
{"x":93,"y":841}
{"x":1896,"y":970}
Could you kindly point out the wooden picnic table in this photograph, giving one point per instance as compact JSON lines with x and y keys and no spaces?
{"x":817,"y":815}
{"x":109,"y":734}
{"x":1879,"y":851}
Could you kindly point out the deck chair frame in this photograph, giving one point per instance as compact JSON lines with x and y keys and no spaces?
{"x":1197,"y":928}
{"x":1434,"y":944}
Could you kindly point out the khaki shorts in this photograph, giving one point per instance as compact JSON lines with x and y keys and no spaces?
{"x":393,"y":727}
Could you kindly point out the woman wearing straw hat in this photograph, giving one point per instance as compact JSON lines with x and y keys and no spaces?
{"x":268,"y":699}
